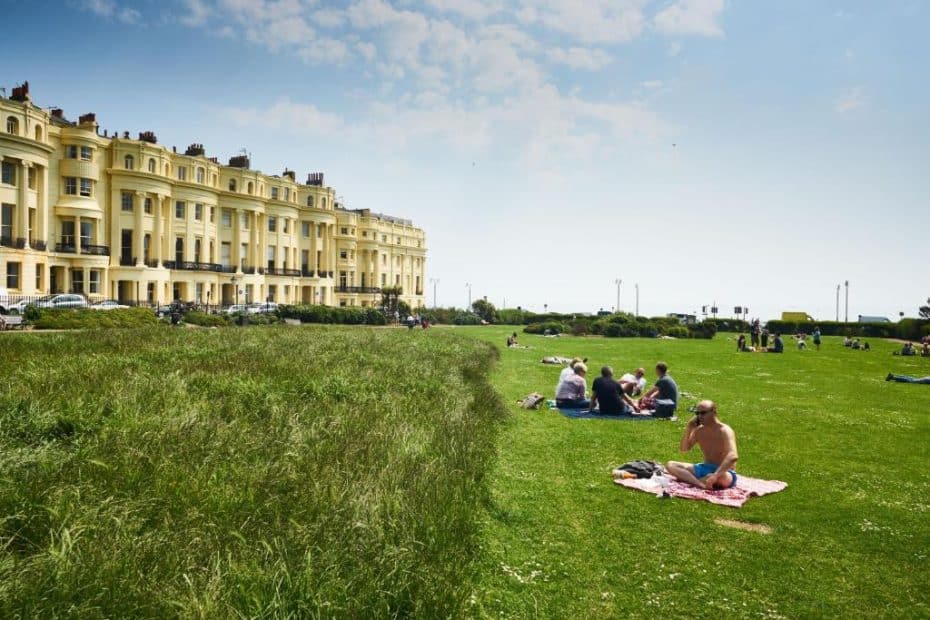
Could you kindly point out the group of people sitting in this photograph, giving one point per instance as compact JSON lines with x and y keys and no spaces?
{"x":610,"y":396}
{"x":855,"y":344}
{"x":778,"y":345}
{"x":909,"y":349}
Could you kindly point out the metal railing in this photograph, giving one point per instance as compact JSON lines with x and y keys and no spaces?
{"x":6,"y":241}
{"x":193,"y":266}
{"x":127,"y":261}
{"x":38,"y":244}
{"x":307,"y":273}
{"x":281,"y":271}
{"x":358,"y":289}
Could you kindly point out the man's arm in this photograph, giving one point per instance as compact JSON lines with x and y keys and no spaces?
{"x":593,"y":401}
{"x":689,"y":438}
{"x":652,"y":392}
{"x":629,"y":401}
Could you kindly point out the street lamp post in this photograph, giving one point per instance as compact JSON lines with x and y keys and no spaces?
{"x":434,"y":282}
{"x":468,"y":286}
{"x":637,"y":299}
{"x":838,"y":303}
{"x":618,"y":282}
{"x":847,"y":301}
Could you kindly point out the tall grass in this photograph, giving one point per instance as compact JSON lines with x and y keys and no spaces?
{"x":242,"y":473}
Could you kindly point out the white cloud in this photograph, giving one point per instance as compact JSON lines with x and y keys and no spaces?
{"x":591,"y":21}
{"x":674,"y":48}
{"x":111,"y":10}
{"x":580,"y":57}
{"x":197,"y":13}
{"x":652,"y":84}
{"x":475,"y":10}
{"x":328,"y":18}
{"x":697,"y":17}
{"x":849,"y":101}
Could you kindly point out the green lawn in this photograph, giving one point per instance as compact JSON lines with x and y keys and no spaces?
{"x":278,"y":472}
{"x":851,"y":534}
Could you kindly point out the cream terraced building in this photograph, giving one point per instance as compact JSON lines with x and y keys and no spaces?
{"x":111,"y":216}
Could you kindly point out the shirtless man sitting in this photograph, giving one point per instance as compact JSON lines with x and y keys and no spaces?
{"x":718,"y":444}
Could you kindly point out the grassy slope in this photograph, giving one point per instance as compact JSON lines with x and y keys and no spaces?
{"x":263,"y":472}
{"x":851,"y":534}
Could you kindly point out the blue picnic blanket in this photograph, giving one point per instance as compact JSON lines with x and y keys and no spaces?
{"x":585,"y":414}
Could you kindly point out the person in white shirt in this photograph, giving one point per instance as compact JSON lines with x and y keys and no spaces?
{"x":634,"y":383}
{"x":568,"y":372}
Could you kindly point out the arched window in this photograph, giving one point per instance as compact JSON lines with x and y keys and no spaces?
{"x":323,"y":202}
{"x":38,"y":133}
{"x":310,"y":201}
{"x":129,"y":162}
{"x":232,"y":185}
{"x":12,"y":125}
{"x":249,"y":188}
{"x":152,"y":165}
{"x":167,"y":170}
{"x":200,"y":175}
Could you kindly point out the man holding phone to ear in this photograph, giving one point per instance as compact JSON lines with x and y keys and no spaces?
{"x":718,"y":445}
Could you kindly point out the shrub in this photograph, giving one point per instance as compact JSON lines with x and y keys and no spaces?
{"x":353,"y":315}
{"x":195,"y":317}
{"x":540,"y":328}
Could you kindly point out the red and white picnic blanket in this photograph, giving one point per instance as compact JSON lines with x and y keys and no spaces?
{"x":735,"y":497}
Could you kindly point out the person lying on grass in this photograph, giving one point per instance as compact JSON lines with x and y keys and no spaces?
{"x":571,"y":394}
{"x":718,"y":445}
{"x":609,"y":395}
{"x":907,"y":379}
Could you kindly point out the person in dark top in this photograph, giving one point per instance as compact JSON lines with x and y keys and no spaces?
{"x":765,"y":338}
{"x":663,"y":397}
{"x":607,"y":393}
{"x":779,"y":345}
{"x":741,"y":343}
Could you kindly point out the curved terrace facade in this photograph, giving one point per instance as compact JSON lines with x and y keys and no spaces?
{"x":116,"y":216}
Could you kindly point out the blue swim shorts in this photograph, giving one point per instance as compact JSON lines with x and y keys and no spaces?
{"x":705,"y":469}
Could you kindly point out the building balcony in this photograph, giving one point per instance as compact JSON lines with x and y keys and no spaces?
{"x":358,"y":289}
{"x":127,"y":261}
{"x":6,"y":242}
{"x":151,"y":263}
{"x":67,"y":247}
{"x":20,"y":243}
{"x":307,"y":273}
{"x":228,"y":269}
{"x":193,"y":266}
{"x":248,"y":269}
{"x":281,"y":271}
{"x":38,"y":244}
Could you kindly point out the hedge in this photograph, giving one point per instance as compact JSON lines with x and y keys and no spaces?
{"x":195,"y":317}
{"x":351,"y":315}
{"x":906,"y":329}
{"x":73,"y":318}
{"x":623,"y":326}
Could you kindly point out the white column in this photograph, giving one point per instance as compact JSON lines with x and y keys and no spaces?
{"x":137,"y":236}
{"x":236,"y":254}
{"x":156,"y":235}
{"x":22,"y":221}
{"x":77,"y":234}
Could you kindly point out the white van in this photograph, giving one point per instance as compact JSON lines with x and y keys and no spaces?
{"x":5,"y":301}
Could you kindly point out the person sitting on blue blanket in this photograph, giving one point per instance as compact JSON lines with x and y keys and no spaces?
{"x":663,"y":397}
{"x":609,"y":395}
{"x":572,"y":391}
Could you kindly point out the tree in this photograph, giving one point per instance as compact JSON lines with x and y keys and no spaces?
{"x":390,"y":297}
{"x":925,"y":310}
{"x":485,"y":309}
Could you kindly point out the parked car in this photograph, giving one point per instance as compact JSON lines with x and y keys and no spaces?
{"x":263,"y":308}
{"x":237,"y":309}
{"x":61,"y":300}
{"x":108,"y":304}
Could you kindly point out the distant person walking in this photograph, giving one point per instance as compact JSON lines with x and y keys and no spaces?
{"x":816,"y":337}
{"x":754,"y":332}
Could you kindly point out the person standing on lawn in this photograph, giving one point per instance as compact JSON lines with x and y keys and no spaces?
{"x":816,"y":336}
{"x":718,"y":446}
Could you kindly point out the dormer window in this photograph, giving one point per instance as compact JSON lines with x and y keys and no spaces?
{"x":232,"y":185}
{"x":129,"y":162}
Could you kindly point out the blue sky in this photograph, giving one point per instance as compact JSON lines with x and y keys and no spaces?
{"x":745,"y":152}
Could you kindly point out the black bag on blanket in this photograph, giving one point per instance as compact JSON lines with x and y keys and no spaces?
{"x":642,"y":469}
